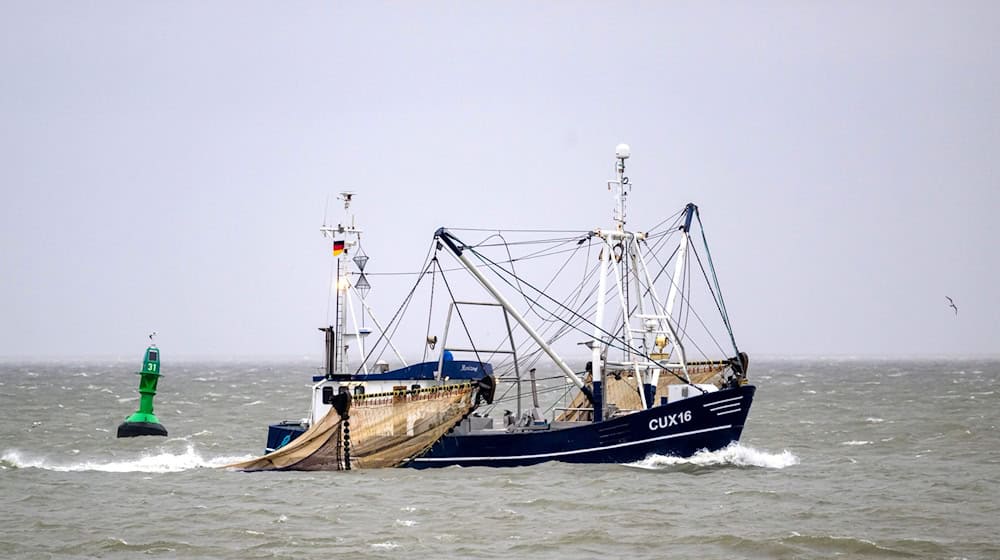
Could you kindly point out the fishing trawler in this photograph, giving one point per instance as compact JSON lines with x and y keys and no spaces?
{"x":657,"y":375}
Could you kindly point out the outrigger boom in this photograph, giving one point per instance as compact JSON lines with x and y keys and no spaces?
{"x":455,"y":246}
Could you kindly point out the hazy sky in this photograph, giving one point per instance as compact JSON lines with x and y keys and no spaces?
{"x":165,"y":165}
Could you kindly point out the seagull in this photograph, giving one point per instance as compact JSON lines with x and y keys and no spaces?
{"x":951,"y":304}
{"x":151,"y":335}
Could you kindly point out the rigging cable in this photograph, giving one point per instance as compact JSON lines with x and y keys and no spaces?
{"x":460,"y":319}
{"x":704,"y":275}
{"x":549,"y":284}
{"x":384,"y":334}
{"x":623,"y":345}
{"x":430,"y":310}
{"x":535,"y":255}
{"x":533,"y":357}
{"x":722,"y":303}
{"x":718,"y":300}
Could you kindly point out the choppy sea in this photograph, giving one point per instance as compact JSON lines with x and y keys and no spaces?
{"x":849,"y":457}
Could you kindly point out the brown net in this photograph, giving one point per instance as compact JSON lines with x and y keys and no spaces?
{"x":389,"y":428}
{"x":622,"y":389}
{"x":379,"y":430}
{"x":321,"y":446}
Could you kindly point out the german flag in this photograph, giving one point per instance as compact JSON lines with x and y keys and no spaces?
{"x":338,"y":248}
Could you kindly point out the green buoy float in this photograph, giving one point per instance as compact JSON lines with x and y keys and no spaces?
{"x":143,"y":422}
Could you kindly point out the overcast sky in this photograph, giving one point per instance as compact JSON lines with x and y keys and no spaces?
{"x":165,"y":165}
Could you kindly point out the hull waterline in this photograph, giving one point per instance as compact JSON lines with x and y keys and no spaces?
{"x":706,"y":422}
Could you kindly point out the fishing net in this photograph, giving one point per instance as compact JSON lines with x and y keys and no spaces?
{"x":372,"y":431}
{"x":389,"y":428}
{"x":621,"y":389}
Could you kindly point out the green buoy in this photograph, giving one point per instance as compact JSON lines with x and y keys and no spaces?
{"x":143,"y":422}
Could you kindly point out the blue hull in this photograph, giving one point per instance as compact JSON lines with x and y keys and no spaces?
{"x":706,"y":422}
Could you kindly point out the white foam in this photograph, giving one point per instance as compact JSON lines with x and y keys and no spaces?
{"x":856,"y":442}
{"x":163,"y":462}
{"x":735,"y":454}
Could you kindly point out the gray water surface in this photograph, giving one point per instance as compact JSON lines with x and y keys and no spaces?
{"x":850,"y":458}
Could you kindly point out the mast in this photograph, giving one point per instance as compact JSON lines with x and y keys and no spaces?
{"x":645,"y":340}
{"x":338,"y":330}
{"x":619,"y":188}
{"x":597,"y":345}
{"x":622,"y":239}
{"x":345,"y":238}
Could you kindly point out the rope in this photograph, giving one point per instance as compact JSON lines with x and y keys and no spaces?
{"x":384,"y":335}
{"x":721,"y":303}
{"x":461,"y":319}
{"x":623,"y":345}
{"x":430,"y":309}
{"x":715,"y":299}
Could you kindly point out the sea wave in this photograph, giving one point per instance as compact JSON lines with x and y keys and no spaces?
{"x":734,"y":455}
{"x":164,"y":462}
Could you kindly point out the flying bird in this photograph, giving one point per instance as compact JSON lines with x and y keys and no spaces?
{"x":151,"y":335}
{"x":951,"y":304}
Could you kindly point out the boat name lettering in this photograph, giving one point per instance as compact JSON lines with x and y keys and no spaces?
{"x":669,"y":420}
{"x":469,"y":368}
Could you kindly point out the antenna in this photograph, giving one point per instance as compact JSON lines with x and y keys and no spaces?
{"x":326,"y":207}
{"x":619,"y":186}
{"x":346,"y":196}
{"x":622,"y":151}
